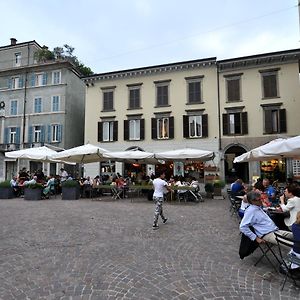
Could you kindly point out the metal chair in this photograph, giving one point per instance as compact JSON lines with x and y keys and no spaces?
{"x":289,"y":259}
{"x":116,"y":193}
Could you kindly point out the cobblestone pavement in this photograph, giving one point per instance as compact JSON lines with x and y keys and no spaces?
{"x":86,"y":249}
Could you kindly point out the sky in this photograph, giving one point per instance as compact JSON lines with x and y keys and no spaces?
{"x":112,"y":35}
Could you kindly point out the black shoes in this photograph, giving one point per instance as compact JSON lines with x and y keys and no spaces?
{"x":155,"y":226}
{"x":165,"y":220}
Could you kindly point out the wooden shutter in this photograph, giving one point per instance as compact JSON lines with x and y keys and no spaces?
{"x":42,"y":134}
{"x":126,"y":130}
{"x":60,"y":132}
{"x":244,"y":123}
{"x":49,"y":134}
{"x":270,"y":85}
{"x":282,"y":120}
{"x":153,"y":128}
{"x":233,"y":89}
{"x":100,"y":132}
{"x":225,"y":124}
{"x":268,"y":121}
{"x":171,"y":128}
{"x":6,"y":135}
{"x":115,"y":131}
{"x":205,"y":125}
{"x":186,"y":126}
{"x":30,"y":134}
{"x":18,"y":135}
{"x":142,"y":129}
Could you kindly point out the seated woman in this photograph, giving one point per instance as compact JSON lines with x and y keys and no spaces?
{"x":293,"y":204}
{"x":47,"y":189}
{"x":296,"y":247}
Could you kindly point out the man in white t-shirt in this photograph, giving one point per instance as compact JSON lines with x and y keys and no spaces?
{"x":160,"y":187}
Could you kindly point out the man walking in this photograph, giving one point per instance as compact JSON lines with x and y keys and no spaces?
{"x":160,"y":186}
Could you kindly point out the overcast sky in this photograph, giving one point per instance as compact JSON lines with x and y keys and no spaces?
{"x":111,"y":35}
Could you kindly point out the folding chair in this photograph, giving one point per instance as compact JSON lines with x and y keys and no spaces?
{"x":116,"y":193}
{"x":289,"y":259}
{"x":267,"y":248}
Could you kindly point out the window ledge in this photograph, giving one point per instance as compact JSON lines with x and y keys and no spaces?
{"x":133,"y":108}
{"x":158,"y":106}
{"x":108,"y":110}
{"x":234,"y":101}
{"x":267,"y":98}
{"x":194,"y":103}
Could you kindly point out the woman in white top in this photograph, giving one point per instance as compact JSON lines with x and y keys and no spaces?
{"x":293,"y":203}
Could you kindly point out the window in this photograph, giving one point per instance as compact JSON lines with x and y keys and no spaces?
{"x":162,"y":93}
{"x":39,"y":79}
{"x":233,"y":88}
{"x":37,"y":132}
{"x":55,"y":103}
{"x":12,"y":135}
{"x":38,"y":105}
{"x":134,"y":97}
{"x":269,"y":83}
{"x":55,"y":133}
{"x":296,"y":167}
{"x":13,"y":107}
{"x":108,"y":100}
{"x":195,"y":126}
{"x":56,"y":77}
{"x":163,"y":128}
{"x":107,"y":131}
{"x":235,"y":123}
{"x":18,"y":58}
{"x":274,"y":120}
{"x":16,"y":82}
{"x":194,"y":85}
{"x":134,"y":129}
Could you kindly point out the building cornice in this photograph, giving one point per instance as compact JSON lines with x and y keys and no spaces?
{"x":152,"y":70}
{"x":259,"y":60}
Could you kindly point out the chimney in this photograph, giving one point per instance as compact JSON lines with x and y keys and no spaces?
{"x":13,"y":41}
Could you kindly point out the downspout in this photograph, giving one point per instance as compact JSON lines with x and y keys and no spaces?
{"x":219,"y":108}
{"x":25,"y":97}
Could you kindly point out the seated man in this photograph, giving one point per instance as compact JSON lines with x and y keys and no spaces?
{"x":14,"y":184}
{"x":270,"y":191}
{"x":237,"y":188}
{"x":47,"y":189}
{"x":256,"y":218}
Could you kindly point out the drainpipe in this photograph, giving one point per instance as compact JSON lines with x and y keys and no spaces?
{"x":219,"y":108}
{"x":25,"y":97}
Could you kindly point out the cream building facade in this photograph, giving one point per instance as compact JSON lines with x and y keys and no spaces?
{"x":227,"y":106}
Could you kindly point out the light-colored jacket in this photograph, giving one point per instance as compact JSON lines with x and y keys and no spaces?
{"x":293,"y":206}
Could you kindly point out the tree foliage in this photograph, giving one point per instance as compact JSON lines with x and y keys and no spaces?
{"x":65,"y":53}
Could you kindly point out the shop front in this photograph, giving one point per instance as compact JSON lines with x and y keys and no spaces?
{"x":274,"y":169}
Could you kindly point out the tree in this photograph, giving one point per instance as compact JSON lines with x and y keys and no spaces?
{"x":66,"y":53}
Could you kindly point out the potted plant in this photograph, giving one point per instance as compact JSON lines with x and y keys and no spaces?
{"x":33,"y":191}
{"x":70,"y":190}
{"x":218,"y":186}
{"x":209,"y":189}
{"x":6,"y":191}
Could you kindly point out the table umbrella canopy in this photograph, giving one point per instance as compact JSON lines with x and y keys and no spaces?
{"x":132,"y":156}
{"x":185,"y":154}
{"x":287,"y":148}
{"x":39,"y":153}
{"x":82,"y":154}
{"x":261,"y":153}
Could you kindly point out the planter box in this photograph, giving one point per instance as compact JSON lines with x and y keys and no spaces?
{"x":217,"y":191}
{"x":6,"y":193}
{"x":70,"y":193}
{"x":32,"y":194}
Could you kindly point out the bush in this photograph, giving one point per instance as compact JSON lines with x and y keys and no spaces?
{"x":69,"y":184}
{"x":209,"y":188}
{"x":5,"y":184}
{"x":219,"y":184}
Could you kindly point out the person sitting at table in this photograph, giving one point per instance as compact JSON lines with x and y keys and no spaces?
{"x":49,"y":184}
{"x":244,"y":204}
{"x":270,"y":191}
{"x":15,"y":185}
{"x":121,"y":185}
{"x":237,"y":188}
{"x":32,"y":181}
{"x":259,"y":187}
{"x":96,"y":185}
{"x":296,"y":247}
{"x":293,"y":204}
{"x":180,"y":192}
{"x":87,"y":186}
{"x":256,"y":218}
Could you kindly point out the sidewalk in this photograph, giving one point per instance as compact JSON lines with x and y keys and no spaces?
{"x":106,"y":249}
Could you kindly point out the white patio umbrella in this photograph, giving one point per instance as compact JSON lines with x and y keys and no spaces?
{"x":82,"y":154}
{"x":261,"y":153}
{"x":39,"y":153}
{"x":185,"y":154}
{"x":132,"y":156}
{"x":287,"y":148}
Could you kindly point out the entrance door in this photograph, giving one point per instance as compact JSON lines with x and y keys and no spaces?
{"x":10,"y":169}
{"x":237,"y":170}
